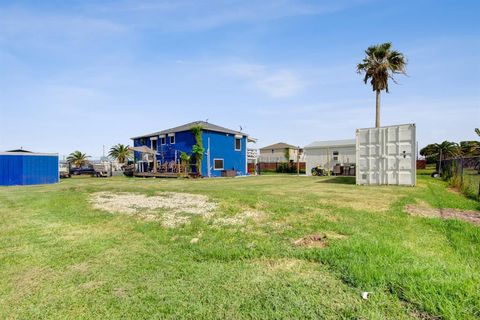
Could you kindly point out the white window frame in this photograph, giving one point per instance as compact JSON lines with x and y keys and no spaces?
{"x":153,"y":141}
{"x":235,"y":146}
{"x":170,"y":139}
{"x":335,"y":155}
{"x":163,"y":141}
{"x":223,"y":162}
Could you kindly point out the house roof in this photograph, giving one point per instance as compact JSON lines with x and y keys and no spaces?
{"x":280,"y":145}
{"x":19,"y":150}
{"x":188,"y":126}
{"x":331,"y":143}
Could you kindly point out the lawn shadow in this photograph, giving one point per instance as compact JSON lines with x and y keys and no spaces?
{"x":338,"y":180}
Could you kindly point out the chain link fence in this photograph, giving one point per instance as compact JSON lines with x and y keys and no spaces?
{"x":463,"y":174}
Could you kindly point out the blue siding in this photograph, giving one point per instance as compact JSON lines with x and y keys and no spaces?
{"x":28,"y":169}
{"x":222,"y":146}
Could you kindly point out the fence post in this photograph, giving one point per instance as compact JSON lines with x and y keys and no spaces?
{"x":461,"y":172}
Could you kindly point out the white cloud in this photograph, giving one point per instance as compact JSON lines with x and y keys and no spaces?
{"x":281,"y":83}
{"x":193,"y":15}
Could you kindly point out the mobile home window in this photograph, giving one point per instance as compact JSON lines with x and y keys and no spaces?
{"x":238,"y":144}
{"x":335,"y":155}
{"x":218,"y":164}
{"x":172,"y":139}
{"x":163,"y":140}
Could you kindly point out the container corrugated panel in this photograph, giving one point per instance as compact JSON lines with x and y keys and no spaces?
{"x":28,"y":168}
{"x":386,"y":155}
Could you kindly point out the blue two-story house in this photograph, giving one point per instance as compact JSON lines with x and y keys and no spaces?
{"x":225,"y":149}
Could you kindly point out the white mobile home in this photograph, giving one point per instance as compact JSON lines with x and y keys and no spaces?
{"x":329,"y":153}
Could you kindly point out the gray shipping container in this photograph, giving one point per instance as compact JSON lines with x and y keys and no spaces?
{"x":386,"y":155}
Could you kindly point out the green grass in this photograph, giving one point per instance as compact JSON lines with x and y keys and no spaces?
{"x":59,"y":258}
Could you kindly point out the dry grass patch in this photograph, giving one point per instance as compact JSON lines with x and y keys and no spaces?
{"x":29,"y":281}
{"x":239,"y":219}
{"x":281,"y":264}
{"x":424,"y":210}
{"x":171,"y":208}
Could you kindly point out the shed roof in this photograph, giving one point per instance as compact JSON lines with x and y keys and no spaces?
{"x":19,"y":150}
{"x":280,"y":145}
{"x":188,"y":126}
{"x":331,"y":143}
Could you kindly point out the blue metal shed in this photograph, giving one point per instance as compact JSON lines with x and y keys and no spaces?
{"x":27,"y":168}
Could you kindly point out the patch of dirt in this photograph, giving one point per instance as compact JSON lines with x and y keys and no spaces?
{"x":176,"y":207}
{"x":424,"y":210}
{"x":317,"y":240}
{"x":424,"y":316}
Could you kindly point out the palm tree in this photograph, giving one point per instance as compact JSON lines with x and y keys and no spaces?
{"x":121,"y":153}
{"x":469,"y":148}
{"x":444,"y":150}
{"x":380,"y":64}
{"x":78,"y":159}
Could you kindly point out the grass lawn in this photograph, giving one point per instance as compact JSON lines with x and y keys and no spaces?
{"x":62,"y":258}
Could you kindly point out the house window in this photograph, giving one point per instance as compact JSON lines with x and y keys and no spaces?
{"x":154,"y":144}
{"x":172,"y":139}
{"x":238,"y":144}
{"x":143,"y":141}
{"x":163,"y":140}
{"x":335,"y":155}
{"x":218,"y":164}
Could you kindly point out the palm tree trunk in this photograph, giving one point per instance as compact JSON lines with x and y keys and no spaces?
{"x":377,"y":110}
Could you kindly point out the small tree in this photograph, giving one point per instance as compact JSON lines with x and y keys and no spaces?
{"x":197,"y":149}
{"x":121,"y":153}
{"x":185,"y":158}
{"x":78,"y":159}
{"x":287,"y":154}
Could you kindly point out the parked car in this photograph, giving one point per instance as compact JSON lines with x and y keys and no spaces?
{"x":83,"y":170}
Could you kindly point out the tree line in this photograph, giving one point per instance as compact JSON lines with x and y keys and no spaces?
{"x":449,"y":149}
{"x":121,"y":153}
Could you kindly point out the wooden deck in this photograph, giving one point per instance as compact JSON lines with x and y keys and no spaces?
{"x":159,"y":175}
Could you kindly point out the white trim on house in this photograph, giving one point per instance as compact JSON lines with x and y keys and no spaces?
{"x":235,"y":143}
{"x":223,"y":164}
{"x":170,"y":137}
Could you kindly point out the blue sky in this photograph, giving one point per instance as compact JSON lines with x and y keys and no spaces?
{"x":83,"y":74}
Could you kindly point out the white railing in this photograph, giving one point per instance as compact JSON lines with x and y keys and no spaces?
{"x":252,"y":154}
